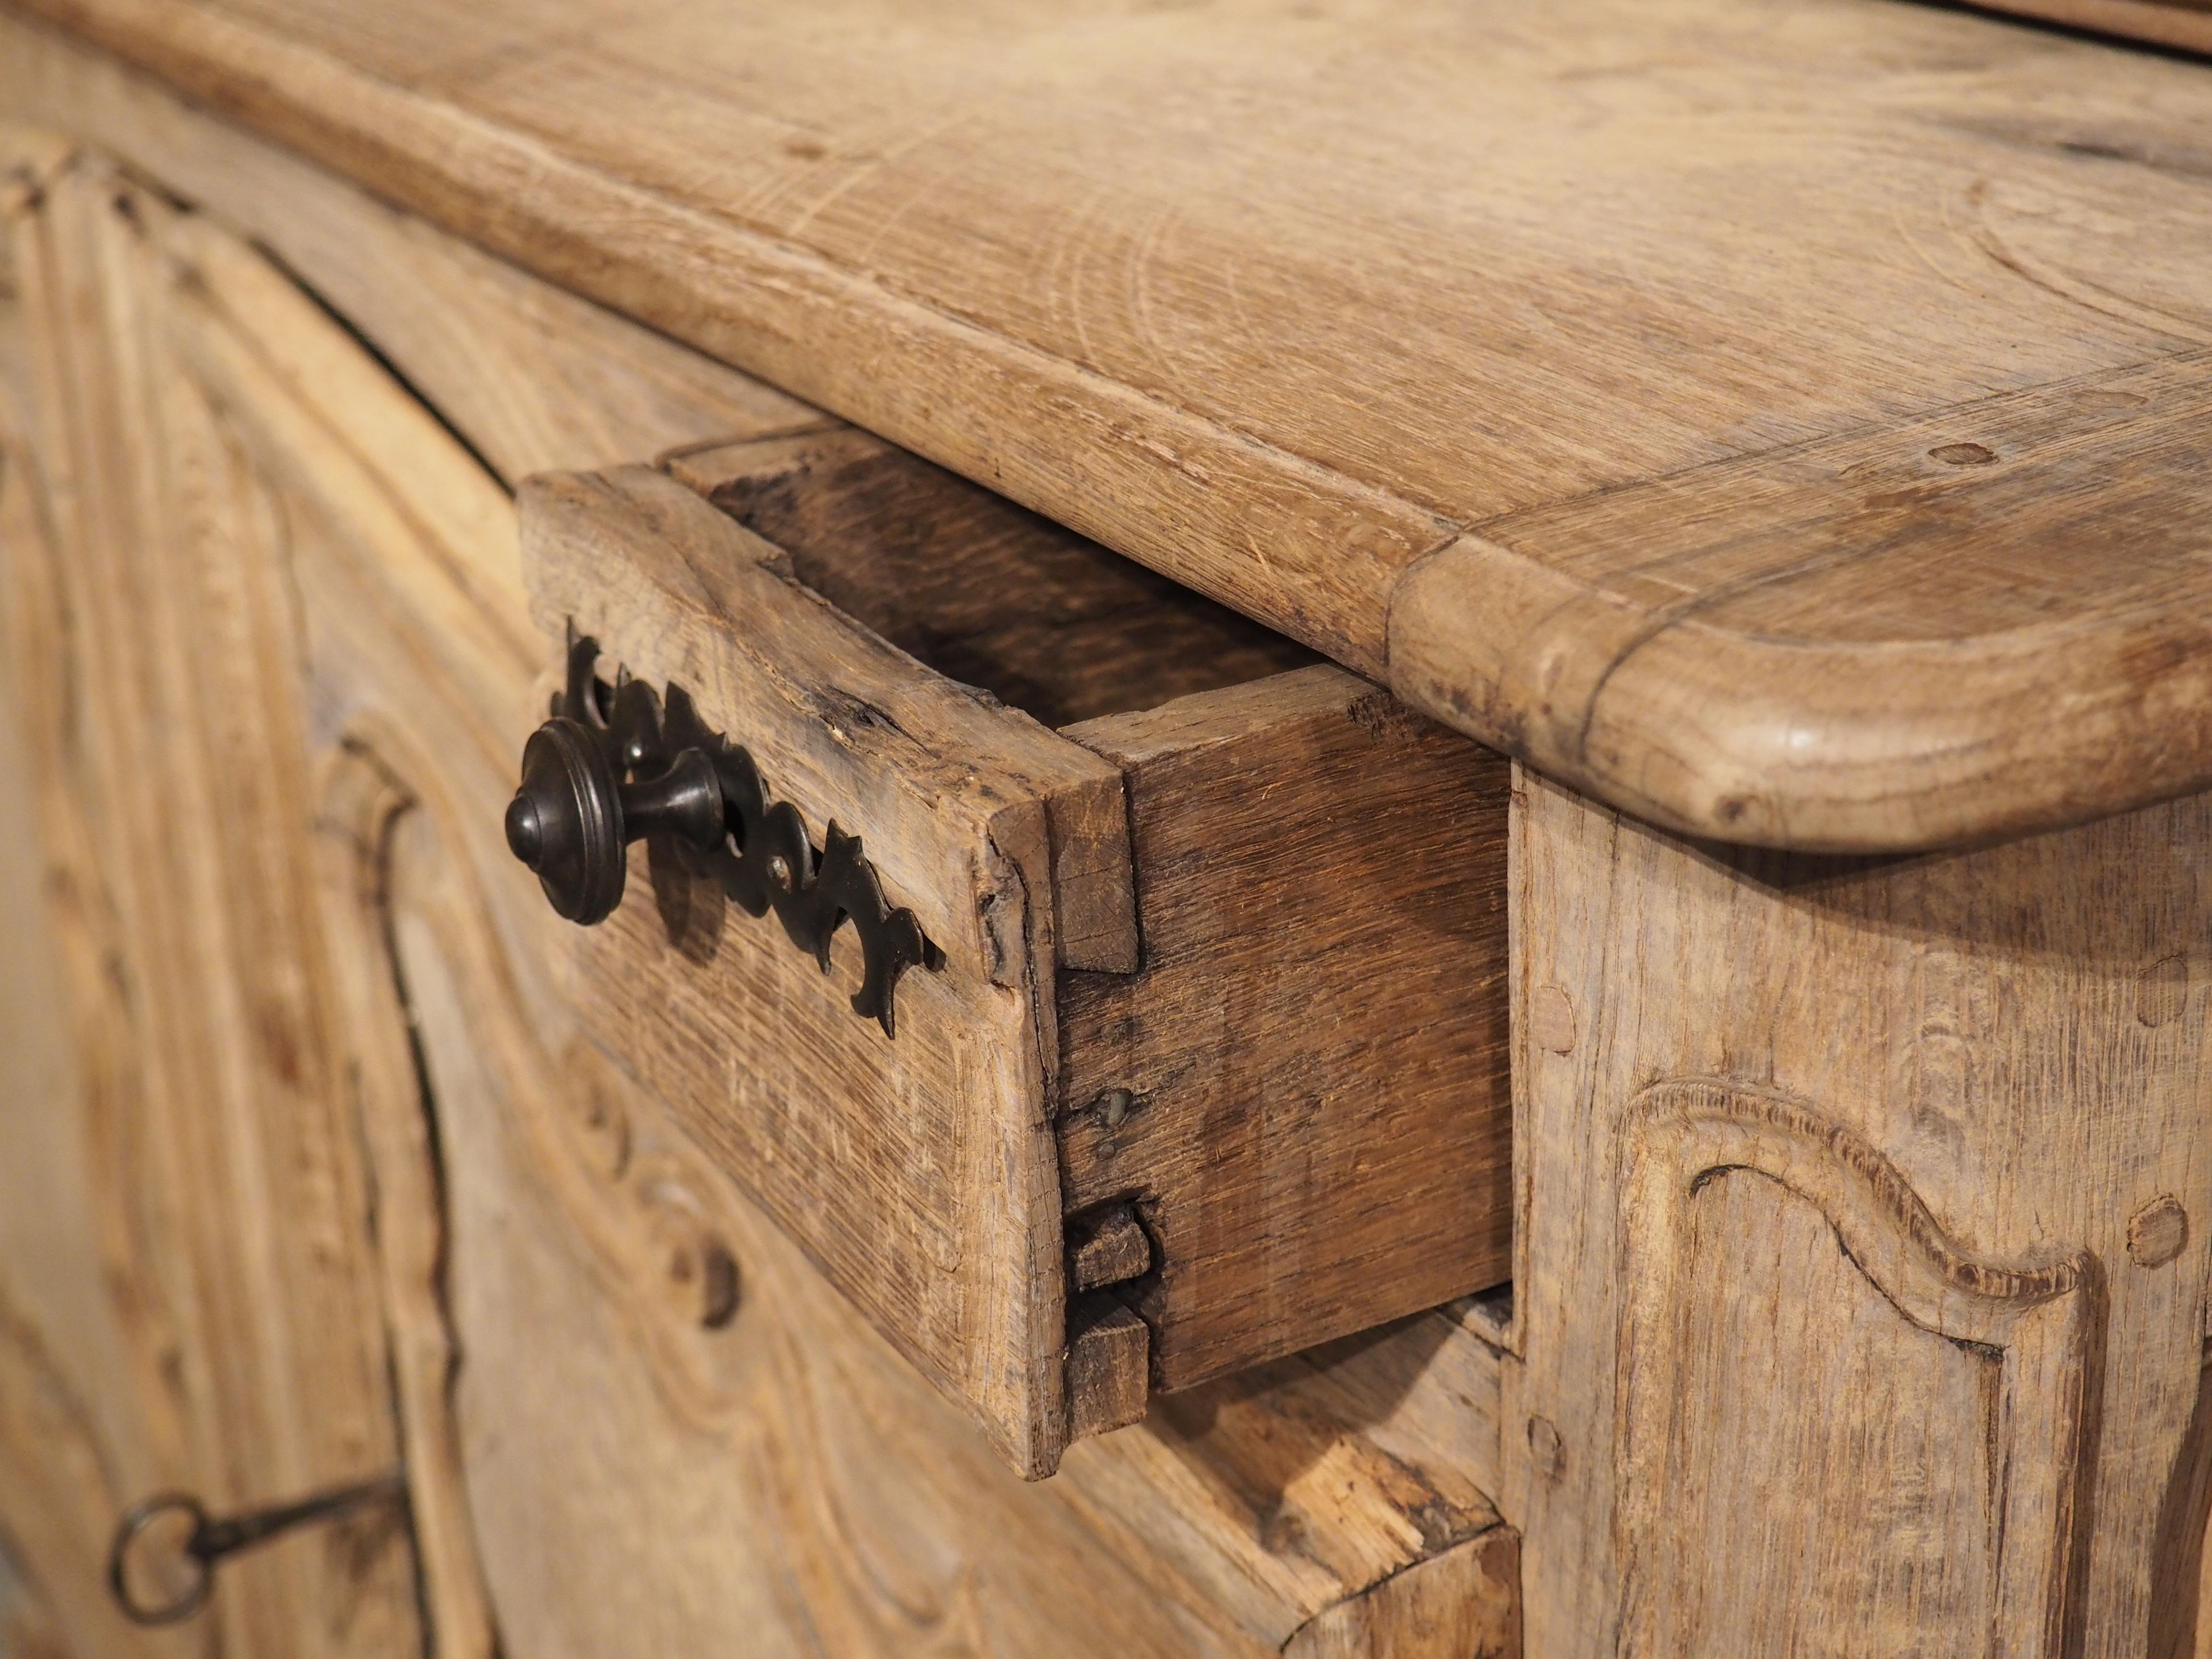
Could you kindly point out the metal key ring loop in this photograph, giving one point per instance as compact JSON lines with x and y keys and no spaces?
{"x":135,"y":1520}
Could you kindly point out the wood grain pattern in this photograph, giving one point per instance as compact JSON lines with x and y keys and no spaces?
{"x":69,"y":1433}
{"x":360,"y":806}
{"x":1941,"y":1088}
{"x":72,"y":1433}
{"x":537,"y":378}
{"x":1110,"y":1246}
{"x":1303,"y":1176}
{"x":1108,"y":1364}
{"x":921,"y":1172}
{"x":162,"y":680}
{"x":783,"y":1472}
{"x":1465,"y":1601}
{"x":792,"y":1420}
{"x":1781,"y":661}
{"x":633,"y":1346}
{"x":1523,"y":282}
{"x":992,"y":596}
{"x":2162,"y":22}
{"x":1313,"y":1055}
{"x":2023,"y":1347}
{"x":982,"y":591}
{"x":1221,"y":1529}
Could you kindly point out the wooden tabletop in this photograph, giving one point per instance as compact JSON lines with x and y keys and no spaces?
{"x":1784,"y":418}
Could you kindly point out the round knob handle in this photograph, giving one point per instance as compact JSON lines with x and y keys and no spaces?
{"x":573,"y":816}
{"x":565,"y":820}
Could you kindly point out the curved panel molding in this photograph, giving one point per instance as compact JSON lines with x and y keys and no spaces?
{"x":1697,"y":1392}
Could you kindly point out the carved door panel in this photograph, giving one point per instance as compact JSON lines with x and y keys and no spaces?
{"x":1862,"y":1265}
{"x":189,"y":1297}
{"x":633,"y":1419}
{"x":653,"y":1424}
{"x":1793,"y":1311}
{"x":276,"y":667}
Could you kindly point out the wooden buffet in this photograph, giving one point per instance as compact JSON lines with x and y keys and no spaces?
{"x":1396,"y":824}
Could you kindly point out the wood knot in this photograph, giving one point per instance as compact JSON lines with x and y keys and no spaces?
{"x":699,"y":1278}
{"x":1962,"y":454}
{"x":1552,"y":1019}
{"x":704,"y":1274}
{"x":2157,"y":1232}
{"x":1546,"y":1451}
{"x":2162,"y":991}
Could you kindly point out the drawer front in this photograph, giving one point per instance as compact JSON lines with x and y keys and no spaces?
{"x":1200,"y":1058}
{"x":919,"y":1170}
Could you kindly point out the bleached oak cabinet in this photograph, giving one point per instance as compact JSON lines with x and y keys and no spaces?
{"x":1166,"y":833}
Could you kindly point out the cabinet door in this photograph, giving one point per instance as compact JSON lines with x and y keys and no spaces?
{"x":189,"y":1296}
{"x":274,"y":666}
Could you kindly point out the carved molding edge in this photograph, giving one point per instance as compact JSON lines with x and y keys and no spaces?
{"x":2047,"y":1323}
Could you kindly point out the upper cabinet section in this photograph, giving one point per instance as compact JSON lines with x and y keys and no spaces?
{"x":1735,"y":407}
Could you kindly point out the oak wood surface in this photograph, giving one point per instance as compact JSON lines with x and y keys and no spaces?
{"x":2181,"y":23}
{"x":893,"y":1528}
{"x":534,"y":376}
{"x":1090,"y":261}
{"x":1451,"y":1603}
{"x":1297,"y":1082}
{"x":1823,"y":1241}
{"x":980,"y":589}
{"x":151,"y":625}
{"x":1313,"y":1055}
{"x":918,"y":1169}
{"x":590,"y":1329}
{"x":992,"y":596}
{"x":1204,"y":1533}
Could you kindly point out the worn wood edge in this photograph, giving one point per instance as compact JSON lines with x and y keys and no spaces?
{"x":1107,"y":1247}
{"x":1464,"y":1603}
{"x":1093,"y":868}
{"x":1411,"y":1411}
{"x":1108,"y":1359}
{"x":2185,"y":27}
{"x":1225,"y":714}
{"x":360,"y":804}
{"x":1309,"y":550}
{"x":1094,"y":877}
{"x":1304,"y":705}
{"x":336,"y":239}
{"x":689,"y":574}
{"x":706,"y":562}
{"x":1890,"y":748}
{"x":414,"y":156}
{"x":1425,"y":1390}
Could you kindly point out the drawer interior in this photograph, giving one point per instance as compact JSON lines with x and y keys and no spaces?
{"x":982,"y":591}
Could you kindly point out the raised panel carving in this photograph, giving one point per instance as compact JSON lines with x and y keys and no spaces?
{"x":1822,"y":1395}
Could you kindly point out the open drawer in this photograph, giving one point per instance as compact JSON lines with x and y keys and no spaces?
{"x":1085,"y":1061}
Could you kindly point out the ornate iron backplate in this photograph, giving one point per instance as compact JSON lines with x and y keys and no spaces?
{"x":762,"y":857}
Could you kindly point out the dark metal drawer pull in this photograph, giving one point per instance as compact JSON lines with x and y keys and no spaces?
{"x":209,"y":1539}
{"x":614,"y":765}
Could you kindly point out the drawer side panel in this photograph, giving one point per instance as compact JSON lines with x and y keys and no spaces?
{"x":1304,"y":1091}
